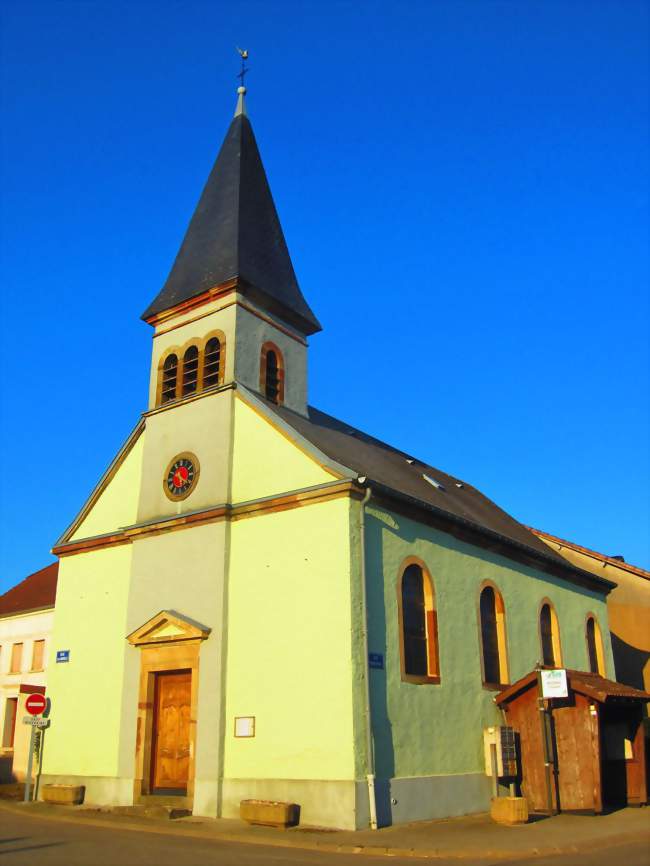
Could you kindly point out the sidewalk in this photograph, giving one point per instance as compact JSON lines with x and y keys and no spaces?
{"x":475,"y":837}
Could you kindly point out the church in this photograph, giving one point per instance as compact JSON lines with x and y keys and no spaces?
{"x":271,"y":603}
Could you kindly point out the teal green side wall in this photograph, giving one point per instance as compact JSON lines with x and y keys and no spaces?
{"x":422,"y":730}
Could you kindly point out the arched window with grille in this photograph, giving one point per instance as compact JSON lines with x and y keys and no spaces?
{"x":595,"y":652}
{"x":418,"y":624}
{"x":169,"y":379}
{"x":494,"y":653}
{"x":212,"y":362}
{"x":190,"y":371}
{"x":272,"y":373}
{"x":549,"y":635}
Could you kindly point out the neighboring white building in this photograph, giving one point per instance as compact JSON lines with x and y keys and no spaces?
{"x":26,"y":618}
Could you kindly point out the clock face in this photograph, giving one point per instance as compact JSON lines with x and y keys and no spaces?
{"x":181,"y":476}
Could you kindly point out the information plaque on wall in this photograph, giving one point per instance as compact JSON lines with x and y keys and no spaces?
{"x":244,"y":726}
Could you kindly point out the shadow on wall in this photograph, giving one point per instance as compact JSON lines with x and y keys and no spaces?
{"x":631,"y":663}
{"x":378,"y":642}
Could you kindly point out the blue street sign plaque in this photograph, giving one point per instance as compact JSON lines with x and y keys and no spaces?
{"x":376,"y":660}
{"x":62,"y":656}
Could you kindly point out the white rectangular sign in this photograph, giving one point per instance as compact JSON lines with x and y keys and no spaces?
{"x":36,"y":721}
{"x":245,"y":726}
{"x":554,"y":684}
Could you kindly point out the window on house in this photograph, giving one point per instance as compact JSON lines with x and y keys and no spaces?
{"x":9,"y":726}
{"x":212,"y":363}
{"x":190,"y":371}
{"x":16,"y":658}
{"x":169,"y":375}
{"x":595,"y":647}
{"x":419,"y":625}
{"x":272,"y":376}
{"x":493,"y":637}
{"x":38,"y":655}
{"x":272,"y":373}
{"x":549,"y":633}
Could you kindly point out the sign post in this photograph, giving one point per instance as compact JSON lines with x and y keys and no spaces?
{"x":35,"y":705}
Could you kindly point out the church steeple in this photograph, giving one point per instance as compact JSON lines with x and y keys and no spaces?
{"x":235,"y":235}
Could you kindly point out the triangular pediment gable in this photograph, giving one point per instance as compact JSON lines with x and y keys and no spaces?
{"x":113,"y":502}
{"x":168,"y":627}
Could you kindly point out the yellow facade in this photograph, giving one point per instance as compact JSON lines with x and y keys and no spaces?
{"x":88,"y":691}
{"x":266,"y":462}
{"x":290,"y":645}
{"x":117,"y":504}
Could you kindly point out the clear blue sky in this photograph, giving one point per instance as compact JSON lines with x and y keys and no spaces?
{"x":464,"y":191}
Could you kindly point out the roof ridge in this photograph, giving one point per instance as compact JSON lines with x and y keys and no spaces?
{"x":602,"y":557}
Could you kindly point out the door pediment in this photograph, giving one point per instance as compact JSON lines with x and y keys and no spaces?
{"x":167,"y":626}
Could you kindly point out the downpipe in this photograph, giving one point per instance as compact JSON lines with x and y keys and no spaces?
{"x":370,"y":764}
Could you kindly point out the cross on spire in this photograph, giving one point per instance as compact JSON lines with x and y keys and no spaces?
{"x":243,"y":53}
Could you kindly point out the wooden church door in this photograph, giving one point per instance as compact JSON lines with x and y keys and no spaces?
{"x":171,"y":731}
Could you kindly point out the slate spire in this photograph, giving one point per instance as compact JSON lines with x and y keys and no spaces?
{"x":235,"y":233}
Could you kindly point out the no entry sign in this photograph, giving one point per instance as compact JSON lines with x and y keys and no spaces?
{"x":35,"y":704}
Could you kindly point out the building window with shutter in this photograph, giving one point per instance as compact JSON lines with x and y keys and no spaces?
{"x":595,"y":653}
{"x":418,"y":623}
{"x":494,"y":654}
{"x":169,"y":376}
{"x":9,"y":725}
{"x":38,"y":655}
{"x":212,"y":363}
{"x":549,"y":635}
{"x":16,"y":658}
{"x":272,"y":373}
{"x":190,"y":371}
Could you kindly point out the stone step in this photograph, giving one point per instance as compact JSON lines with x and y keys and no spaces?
{"x":154,"y":810}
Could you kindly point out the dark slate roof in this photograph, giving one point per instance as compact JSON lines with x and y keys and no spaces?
{"x":388,"y":467}
{"x":34,"y":592}
{"x":235,"y":233}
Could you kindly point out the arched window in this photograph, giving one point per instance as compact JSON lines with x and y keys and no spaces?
{"x":272,"y":373}
{"x":169,"y":375}
{"x":190,"y":370}
{"x":595,"y":646}
{"x":419,"y":626}
{"x":493,"y":637}
{"x":212,"y":363}
{"x":549,"y":634}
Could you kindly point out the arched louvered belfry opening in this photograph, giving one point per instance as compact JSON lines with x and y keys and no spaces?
{"x":549,"y":635}
{"x":418,"y":624}
{"x":272,"y":373}
{"x":169,"y":379}
{"x":190,"y":371}
{"x":595,"y":652}
{"x":212,"y":363}
{"x":494,"y":654}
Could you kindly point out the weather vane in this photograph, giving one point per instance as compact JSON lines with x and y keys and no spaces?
{"x":243,"y":53}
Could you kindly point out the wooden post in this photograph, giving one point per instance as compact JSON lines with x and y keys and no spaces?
{"x":596,"y":767}
{"x":547,"y":746}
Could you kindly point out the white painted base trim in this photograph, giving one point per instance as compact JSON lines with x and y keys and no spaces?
{"x":100,"y":790}
{"x":337,"y":804}
{"x":206,"y":798}
{"x":322,"y":803}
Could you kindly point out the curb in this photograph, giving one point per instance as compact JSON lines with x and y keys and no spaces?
{"x":331,"y":847}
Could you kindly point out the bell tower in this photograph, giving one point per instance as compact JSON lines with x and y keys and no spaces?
{"x":231,"y":310}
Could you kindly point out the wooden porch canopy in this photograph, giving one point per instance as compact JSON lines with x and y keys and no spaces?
{"x":592,"y":685}
{"x":583,"y":752}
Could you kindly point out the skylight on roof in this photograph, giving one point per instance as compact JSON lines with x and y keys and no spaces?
{"x":433,"y":482}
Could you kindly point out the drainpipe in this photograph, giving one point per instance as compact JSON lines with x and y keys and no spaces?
{"x":370,"y":765}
